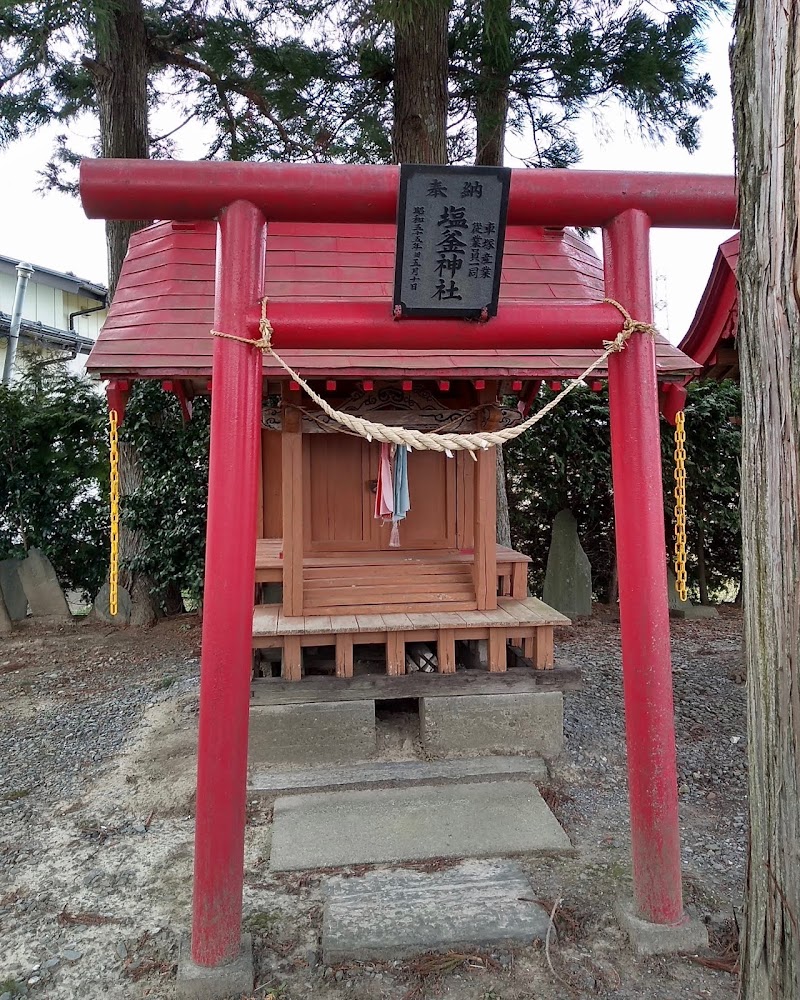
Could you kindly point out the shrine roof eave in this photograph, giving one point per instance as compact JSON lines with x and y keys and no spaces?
{"x":672,"y":365}
{"x":711,"y":337}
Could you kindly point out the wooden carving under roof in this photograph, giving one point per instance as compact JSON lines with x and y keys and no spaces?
{"x":420,"y":410}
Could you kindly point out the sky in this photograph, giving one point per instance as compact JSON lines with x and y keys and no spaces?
{"x":50,"y":229}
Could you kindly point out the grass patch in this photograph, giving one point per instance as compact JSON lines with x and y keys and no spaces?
{"x":21,"y":793}
{"x":12,"y":986}
{"x":164,"y":683}
{"x":262,"y":922}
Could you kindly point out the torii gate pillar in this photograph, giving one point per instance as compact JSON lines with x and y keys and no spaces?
{"x":642,"y":570}
{"x":226,"y":663}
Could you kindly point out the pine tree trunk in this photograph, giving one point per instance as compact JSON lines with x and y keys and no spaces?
{"x":491,"y":109}
{"x":419,"y":128}
{"x":766,"y":71}
{"x":702,"y":578}
{"x":494,"y":75}
{"x":120,"y":72}
{"x":503,"y":520}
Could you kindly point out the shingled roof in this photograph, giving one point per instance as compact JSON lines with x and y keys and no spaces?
{"x":711,"y":337}
{"x":159,"y":322}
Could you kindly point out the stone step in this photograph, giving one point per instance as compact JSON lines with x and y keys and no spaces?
{"x":396,"y":914}
{"x":474,"y":819}
{"x":396,"y":773}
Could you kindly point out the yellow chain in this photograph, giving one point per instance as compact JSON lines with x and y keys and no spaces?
{"x":680,"y":506}
{"x":113,"y":575}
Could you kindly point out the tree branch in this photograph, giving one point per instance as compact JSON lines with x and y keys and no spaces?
{"x":178,"y":59}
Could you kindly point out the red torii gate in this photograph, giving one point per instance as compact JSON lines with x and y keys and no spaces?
{"x":243,"y":198}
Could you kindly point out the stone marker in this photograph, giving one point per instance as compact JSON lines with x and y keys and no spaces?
{"x":685,"y":609}
{"x":12,"y":590}
{"x":6,"y":625}
{"x":42,"y":588}
{"x":390,"y":915}
{"x":101,"y":610}
{"x":474,"y":819}
{"x":568,"y":578}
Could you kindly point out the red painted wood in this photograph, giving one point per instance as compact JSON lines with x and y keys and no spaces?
{"x":642,"y":562}
{"x":152,"y":189}
{"x":228,"y":598}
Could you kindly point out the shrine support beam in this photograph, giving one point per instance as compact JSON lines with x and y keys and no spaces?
{"x":642,"y":568}
{"x":225,"y":665}
{"x":366,"y":325}
{"x":333,"y":193}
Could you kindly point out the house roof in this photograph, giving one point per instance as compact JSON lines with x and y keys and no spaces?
{"x":159,"y":322}
{"x":57,"y":279}
{"x":711,"y":337}
{"x":48,"y":336}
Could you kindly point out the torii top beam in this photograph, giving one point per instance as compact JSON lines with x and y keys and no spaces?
{"x":299,"y":192}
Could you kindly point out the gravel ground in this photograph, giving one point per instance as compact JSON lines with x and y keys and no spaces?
{"x":97,"y":731}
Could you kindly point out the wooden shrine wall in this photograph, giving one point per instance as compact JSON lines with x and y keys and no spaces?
{"x":339,"y":473}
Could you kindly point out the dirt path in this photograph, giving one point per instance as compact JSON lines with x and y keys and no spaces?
{"x":97,"y":732}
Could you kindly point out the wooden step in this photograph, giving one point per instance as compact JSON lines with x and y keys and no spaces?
{"x":387,"y":589}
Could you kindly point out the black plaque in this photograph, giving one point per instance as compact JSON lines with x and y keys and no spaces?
{"x":451,"y":226}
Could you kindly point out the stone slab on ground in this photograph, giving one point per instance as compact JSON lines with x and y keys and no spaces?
{"x":686,"y":938}
{"x":197,"y":982}
{"x":404,"y":772}
{"x":327,"y":732}
{"x":13,"y":592}
{"x":568,"y":577}
{"x":392,"y":915}
{"x":473,"y":819}
{"x":526,"y":723}
{"x":41,"y":587}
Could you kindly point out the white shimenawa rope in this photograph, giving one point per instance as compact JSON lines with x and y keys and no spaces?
{"x":451,"y":441}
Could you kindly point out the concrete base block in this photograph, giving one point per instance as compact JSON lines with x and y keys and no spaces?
{"x":685,"y":938}
{"x":322,"y":732}
{"x":396,"y":775}
{"x":494,"y":723}
{"x":232,"y":980}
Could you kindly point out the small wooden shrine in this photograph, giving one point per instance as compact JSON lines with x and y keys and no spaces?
{"x":341,"y":582}
{"x":329,"y":257}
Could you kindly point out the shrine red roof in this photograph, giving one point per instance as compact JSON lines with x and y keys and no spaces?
{"x":711,"y":338}
{"x":159,"y":322}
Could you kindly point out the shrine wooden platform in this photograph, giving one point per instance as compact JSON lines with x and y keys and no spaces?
{"x":528,"y":623}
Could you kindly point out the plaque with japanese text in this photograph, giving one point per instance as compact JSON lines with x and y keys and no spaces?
{"x":451,"y":224}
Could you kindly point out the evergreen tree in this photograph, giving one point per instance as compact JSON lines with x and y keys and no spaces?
{"x":530,"y":68}
{"x":766,"y":89}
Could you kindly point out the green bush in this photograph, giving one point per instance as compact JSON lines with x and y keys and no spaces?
{"x":566,"y":462}
{"x":168,"y":509}
{"x":54,"y":473}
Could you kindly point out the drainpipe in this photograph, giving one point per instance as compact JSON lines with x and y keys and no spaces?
{"x":83,"y":312}
{"x":24,"y":274}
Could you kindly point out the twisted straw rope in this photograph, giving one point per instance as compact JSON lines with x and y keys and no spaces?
{"x":434,"y":441}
